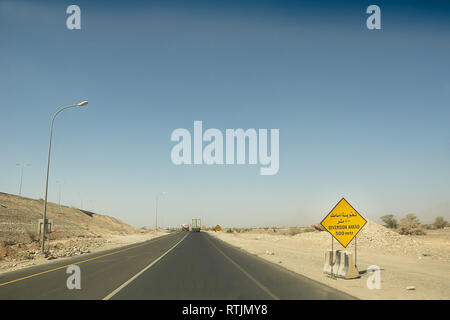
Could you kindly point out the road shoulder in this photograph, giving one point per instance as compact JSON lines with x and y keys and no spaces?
{"x":430,"y":279}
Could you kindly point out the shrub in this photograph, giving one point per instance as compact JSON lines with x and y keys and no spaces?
{"x":389,"y":221}
{"x":440,"y":223}
{"x":32,"y":235}
{"x":294,"y":231}
{"x":26,"y":255}
{"x":229,"y":230}
{"x":412,"y":231}
{"x":410,"y":225}
{"x":428,"y":226}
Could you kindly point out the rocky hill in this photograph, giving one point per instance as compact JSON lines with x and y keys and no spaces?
{"x":19,"y":221}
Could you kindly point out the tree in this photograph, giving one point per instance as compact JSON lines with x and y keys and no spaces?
{"x":389,"y":221}
{"x":440,"y":223}
{"x":410,"y":225}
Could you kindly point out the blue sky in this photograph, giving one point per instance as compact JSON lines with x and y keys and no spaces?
{"x":362,"y":114}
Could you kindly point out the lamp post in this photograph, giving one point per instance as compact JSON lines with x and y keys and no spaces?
{"x":81,"y":201}
{"x":22,"y":166}
{"x":59,"y":197}
{"x":44,"y":228}
{"x":156,"y":215}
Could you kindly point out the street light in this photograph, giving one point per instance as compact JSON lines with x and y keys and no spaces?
{"x":21,"y":175}
{"x":81,"y":104}
{"x":156,"y":222}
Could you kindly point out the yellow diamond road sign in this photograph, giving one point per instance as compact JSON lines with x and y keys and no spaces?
{"x":343,"y":222}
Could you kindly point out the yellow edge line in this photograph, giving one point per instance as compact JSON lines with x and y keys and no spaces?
{"x":245,"y":272}
{"x":80,"y":262}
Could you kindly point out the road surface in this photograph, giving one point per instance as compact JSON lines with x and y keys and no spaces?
{"x":181,"y":265}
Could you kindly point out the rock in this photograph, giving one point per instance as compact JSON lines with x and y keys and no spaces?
{"x":411,"y":288}
{"x":270,"y":253}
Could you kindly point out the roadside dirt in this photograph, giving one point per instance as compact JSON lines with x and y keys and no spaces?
{"x":421,"y":262}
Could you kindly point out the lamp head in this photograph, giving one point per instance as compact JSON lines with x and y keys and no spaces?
{"x":82,"y":103}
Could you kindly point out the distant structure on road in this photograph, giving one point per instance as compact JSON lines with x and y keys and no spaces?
{"x":196,"y":225}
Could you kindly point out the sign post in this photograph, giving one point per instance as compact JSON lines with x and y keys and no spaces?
{"x":332,"y":257}
{"x":343,"y":223}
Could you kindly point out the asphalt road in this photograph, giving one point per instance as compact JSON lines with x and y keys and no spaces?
{"x":181,"y":265}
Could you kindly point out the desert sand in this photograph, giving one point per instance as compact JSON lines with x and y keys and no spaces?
{"x":420,"y":263}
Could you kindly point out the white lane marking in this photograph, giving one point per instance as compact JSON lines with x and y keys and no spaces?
{"x":109,"y":296}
